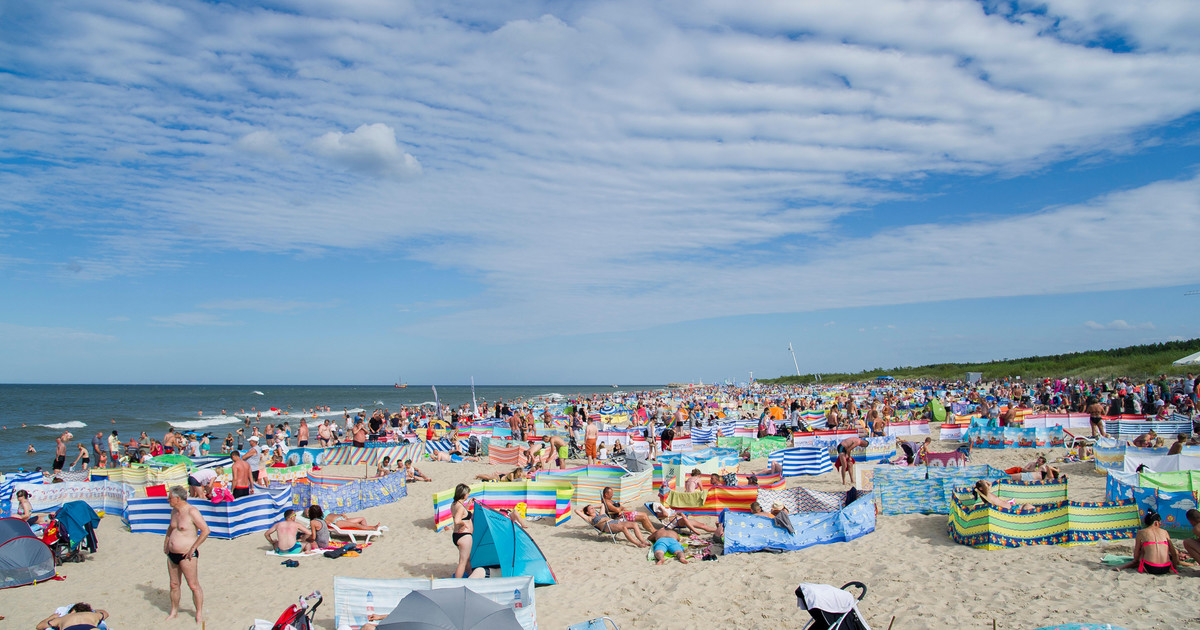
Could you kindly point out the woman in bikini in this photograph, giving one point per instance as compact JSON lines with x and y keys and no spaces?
{"x":353,"y":522}
{"x":1153,"y":552}
{"x":517,"y":474}
{"x":601,"y":522}
{"x":463,"y":527}
{"x":674,"y":520}
{"x":25,"y":510}
{"x":82,"y":456}
{"x":79,"y":617}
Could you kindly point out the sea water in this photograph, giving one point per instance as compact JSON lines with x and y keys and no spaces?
{"x":37,"y":414}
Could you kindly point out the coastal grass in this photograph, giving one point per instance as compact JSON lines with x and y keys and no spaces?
{"x":1138,"y":362}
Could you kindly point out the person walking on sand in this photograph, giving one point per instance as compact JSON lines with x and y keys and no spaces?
{"x":186,"y":532}
{"x":590,"y":435}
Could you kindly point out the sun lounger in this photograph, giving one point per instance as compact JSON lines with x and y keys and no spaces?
{"x":354,"y":533}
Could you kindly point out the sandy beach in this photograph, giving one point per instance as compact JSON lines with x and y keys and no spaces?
{"x":911,"y":567}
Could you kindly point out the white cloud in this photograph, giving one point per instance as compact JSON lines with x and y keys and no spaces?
{"x":193,"y":319}
{"x":370,"y":149}
{"x":261,"y":142}
{"x":1119,"y":324}
{"x":264,"y":305}
{"x":1183,"y":504}
{"x":631,"y":159}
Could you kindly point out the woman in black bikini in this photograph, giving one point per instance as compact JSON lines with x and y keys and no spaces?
{"x":462,"y":528}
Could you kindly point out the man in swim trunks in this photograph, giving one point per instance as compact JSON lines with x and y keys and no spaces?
{"x":239,"y":473}
{"x":666,"y":541}
{"x":288,"y":535}
{"x":185,"y":533}
{"x":560,"y":447}
{"x":302,"y":434}
{"x":60,"y":450}
{"x":590,"y":436}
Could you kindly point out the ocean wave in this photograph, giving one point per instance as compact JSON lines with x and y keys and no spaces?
{"x":74,"y":424}
{"x":203,"y":423}
{"x":298,"y":413}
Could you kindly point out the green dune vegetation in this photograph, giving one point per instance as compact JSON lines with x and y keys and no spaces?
{"x":1134,"y":361}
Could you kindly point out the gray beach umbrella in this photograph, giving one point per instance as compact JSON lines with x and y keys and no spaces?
{"x":457,"y":608}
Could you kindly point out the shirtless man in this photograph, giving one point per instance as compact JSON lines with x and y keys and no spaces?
{"x":239,"y":473}
{"x":614,"y":511}
{"x":288,"y":535}
{"x":559,"y":447}
{"x":169,"y":440}
{"x":60,"y":450}
{"x":1146,"y":440}
{"x":302,"y":434}
{"x":666,"y":541}
{"x":359,"y":436}
{"x":590,"y":436}
{"x":324,"y":434}
{"x":845,"y":462}
{"x":181,"y":546}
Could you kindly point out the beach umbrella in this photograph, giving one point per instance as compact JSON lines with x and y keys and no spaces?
{"x":457,"y":608}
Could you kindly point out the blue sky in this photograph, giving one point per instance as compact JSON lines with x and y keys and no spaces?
{"x":298,"y":191}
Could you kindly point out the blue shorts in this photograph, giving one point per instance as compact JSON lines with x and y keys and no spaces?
{"x":668,"y":545}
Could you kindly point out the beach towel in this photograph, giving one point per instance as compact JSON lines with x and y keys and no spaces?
{"x":1115,"y":560}
{"x":678,"y":499}
{"x":302,"y":554}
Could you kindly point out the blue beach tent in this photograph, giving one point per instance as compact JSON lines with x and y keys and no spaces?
{"x":499,"y":542}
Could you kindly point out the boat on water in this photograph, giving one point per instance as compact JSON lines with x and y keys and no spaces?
{"x":400,"y":384}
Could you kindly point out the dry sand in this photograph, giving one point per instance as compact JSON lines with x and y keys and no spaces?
{"x":913,"y":570}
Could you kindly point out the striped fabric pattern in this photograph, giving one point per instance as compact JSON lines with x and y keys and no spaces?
{"x":802,"y":460}
{"x":1129,"y":429}
{"x":8,"y":481}
{"x":505,"y":453}
{"x":371,"y":454}
{"x":1032,"y":492}
{"x":588,"y":482}
{"x":143,"y":476}
{"x":737,"y":498}
{"x":227,"y":520}
{"x":541,"y":498}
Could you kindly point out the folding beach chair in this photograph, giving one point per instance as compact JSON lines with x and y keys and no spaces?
{"x":599,"y":623}
{"x":353,"y":534}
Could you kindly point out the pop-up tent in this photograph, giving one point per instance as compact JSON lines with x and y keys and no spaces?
{"x":24,"y":559}
{"x":498,"y":541}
